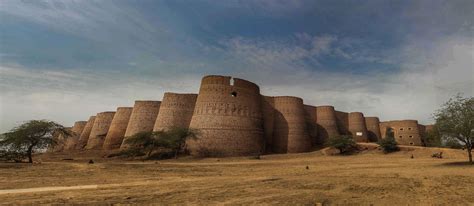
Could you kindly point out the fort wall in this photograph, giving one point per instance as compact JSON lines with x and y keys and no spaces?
{"x":176,"y":110}
{"x":142,"y":119}
{"x":342,"y":121}
{"x":290,"y":132}
{"x":229,"y":118}
{"x":406,"y":132}
{"x":268,"y":109}
{"x":99,"y":130}
{"x":84,"y":138}
{"x":357,"y":127}
{"x":327,"y":123}
{"x":117,"y":129}
{"x":311,"y":124}
{"x":373,"y":129}
{"x":76,"y":133}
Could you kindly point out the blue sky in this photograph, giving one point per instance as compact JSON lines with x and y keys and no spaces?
{"x":67,"y":60}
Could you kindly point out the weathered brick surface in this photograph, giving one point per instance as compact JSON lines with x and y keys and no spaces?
{"x":290,"y":132}
{"x":82,"y":142}
{"x":229,"y":118}
{"x":357,"y":127}
{"x":311,"y":124}
{"x":117,"y":129}
{"x":176,"y":110}
{"x":373,"y":129}
{"x":142,"y":119}
{"x":76,"y":133}
{"x":99,"y":130}
{"x":327,"y":123}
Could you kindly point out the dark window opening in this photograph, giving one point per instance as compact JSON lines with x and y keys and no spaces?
{"x":409,"y":128}
{"x":401,"y":128}
{"x":234,"y":94}
{"x":411,"y":143}
{"x":411,"y":136}
{"x":399,"y":136}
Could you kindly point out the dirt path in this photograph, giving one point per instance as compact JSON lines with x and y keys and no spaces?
{"x":47,"y":189}
{"x":78,"y":187}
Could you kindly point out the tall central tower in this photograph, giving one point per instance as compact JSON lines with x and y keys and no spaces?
{"x":229,"y":118}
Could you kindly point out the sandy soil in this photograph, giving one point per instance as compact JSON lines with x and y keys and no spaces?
{"x":294,"y":179}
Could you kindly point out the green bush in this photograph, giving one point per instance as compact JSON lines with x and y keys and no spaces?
{"x":12,"y":155}
{"x":344,"y":143}
{"x":388,"y":145}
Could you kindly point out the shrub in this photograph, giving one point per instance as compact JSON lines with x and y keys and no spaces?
{"x":388,"y":145}
{"x":344,"y":143}
{"x":12,"y":155}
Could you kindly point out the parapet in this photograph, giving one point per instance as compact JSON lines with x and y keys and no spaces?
{"x":357,"y":127}
{"x":143,"y":118}
{"x":176,"y":110}
{"x":84,"y":138}
{"x":117,"y":129}
{"x":99,"y":130}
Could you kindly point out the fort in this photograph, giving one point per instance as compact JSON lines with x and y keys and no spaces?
{"x":235,"y":119}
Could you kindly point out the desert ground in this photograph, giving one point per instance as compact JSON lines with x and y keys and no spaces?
{"x":316,"y":178}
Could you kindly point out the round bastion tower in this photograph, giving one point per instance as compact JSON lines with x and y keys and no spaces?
{"x":373,"y":128}
{"x":176,"y":110}
{"x":142,"y":119}
{"x":229,"y":118}
{"x":84,"y":137}
{"x":290,"y":133}
{"x":327,"y":124}
{"x":357,"y":127}
{"x":99,"y":130}
{"x":76,"y":132}
{"x":117,"y":129}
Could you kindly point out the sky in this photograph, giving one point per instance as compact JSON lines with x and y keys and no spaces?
{"x":67,"y":60}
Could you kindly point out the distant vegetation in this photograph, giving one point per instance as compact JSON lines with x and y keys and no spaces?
{"x":388,"y":144}
{"x":170,"y":142}
{"x":34,"y":135}
{"x":455,"y":122}
{"x":344,"y":143}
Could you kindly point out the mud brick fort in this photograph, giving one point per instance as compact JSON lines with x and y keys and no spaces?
{"x":233,"y":119}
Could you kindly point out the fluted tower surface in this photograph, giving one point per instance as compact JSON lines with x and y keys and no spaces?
{"x":268,"y":109}
{"x":84,"y":138}
{"x":76,"y":133}
{"x":99,"y":130}
{"x":229,"y":118}
{"x":357,"y":127}
{"x":290,"y":132}
{"x":373,"y":128}
{"x":117,"y":129}
{"x":342,"y":120}
{"x":176,"y":110}
{"x":326,"y":119}
{"x":142,"y":119}
{"x":311,"y":125}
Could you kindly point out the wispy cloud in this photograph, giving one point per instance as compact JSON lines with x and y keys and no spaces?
{"x":67,"y":60}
